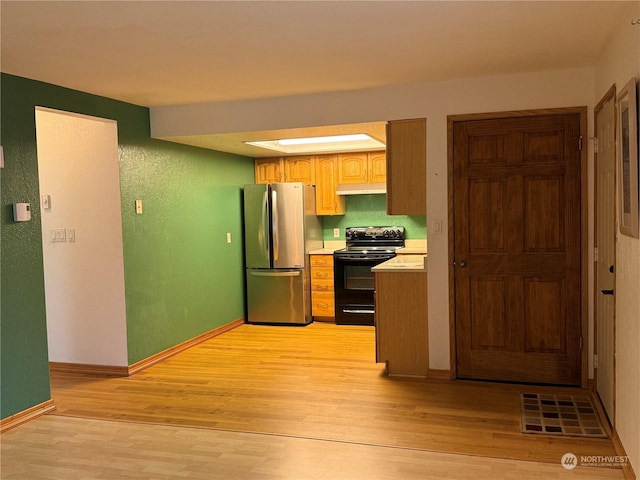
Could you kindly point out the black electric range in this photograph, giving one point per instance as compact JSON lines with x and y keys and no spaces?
{"x":354,"y":286}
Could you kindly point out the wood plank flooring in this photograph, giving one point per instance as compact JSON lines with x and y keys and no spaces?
{"x":55,"y":447}
{"x":318,"y":382}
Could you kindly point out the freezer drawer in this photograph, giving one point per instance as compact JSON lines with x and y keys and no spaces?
{"x":278,"y":297}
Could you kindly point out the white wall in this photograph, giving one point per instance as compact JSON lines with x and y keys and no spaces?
{"x":619,"y":62}
{"x":84,"y":280}
{"x":567,"y":88}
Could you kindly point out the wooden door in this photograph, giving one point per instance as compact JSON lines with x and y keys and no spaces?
{"x":300,"y":169}
{"x":605,"y":246}
{"x":517,"y":227}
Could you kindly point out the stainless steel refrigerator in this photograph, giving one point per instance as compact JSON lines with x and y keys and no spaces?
{"x":280,"y":229}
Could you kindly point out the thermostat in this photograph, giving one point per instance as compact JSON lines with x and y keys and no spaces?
{"x":21,"y":212}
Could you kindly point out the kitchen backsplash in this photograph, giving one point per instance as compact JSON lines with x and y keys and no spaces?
{"x":371,"y":210}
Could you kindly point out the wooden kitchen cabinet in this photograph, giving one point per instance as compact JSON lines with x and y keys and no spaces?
{"x":269,"y":170}
{"x":407,"y":167}
{"x":327,"y":201}
{"x":322,"y":296}
{"x":300,"y":169}
{"x":402,"y":339}
{"x":287,"y":169}
{"x":377,"y":167}
{"x":362,"y":167}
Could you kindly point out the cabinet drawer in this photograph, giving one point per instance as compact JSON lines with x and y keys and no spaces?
{"x":320,"y":285}
{"x":322,"y":304}
{"x":322,"y":260}
{"x":322,"y":273}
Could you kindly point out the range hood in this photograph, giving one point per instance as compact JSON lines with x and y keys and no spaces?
{"x":361,"y":188}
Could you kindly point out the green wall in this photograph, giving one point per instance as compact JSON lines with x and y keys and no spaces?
{"x":371,"y":210}
{"x":181,"y":277}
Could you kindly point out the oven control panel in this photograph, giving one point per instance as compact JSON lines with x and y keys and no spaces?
{"x":374,"y":233}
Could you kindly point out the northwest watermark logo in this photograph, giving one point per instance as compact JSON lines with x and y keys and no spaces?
{"x":570,"y":461}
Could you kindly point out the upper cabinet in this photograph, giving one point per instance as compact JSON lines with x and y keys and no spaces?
{"x":300,"y":169}
{"x":269,"y":170}
{"x":327,"y":201}
{"x":326,"y":172}
{"x":287,"y":169}
{"x":377,"y":167}
{"x":407,"y":167}
{"x":362,"y":167}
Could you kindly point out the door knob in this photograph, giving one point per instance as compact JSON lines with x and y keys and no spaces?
{"x":607,"y":292}
{"x":463,"y":263}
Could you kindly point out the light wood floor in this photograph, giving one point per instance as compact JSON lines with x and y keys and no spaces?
{"x":320,"y":383}
{"x":54,"y":447}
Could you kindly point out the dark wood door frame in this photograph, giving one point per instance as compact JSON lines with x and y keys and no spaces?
{"x":584,"y":234}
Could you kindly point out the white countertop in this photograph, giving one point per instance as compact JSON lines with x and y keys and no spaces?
{"x":323,"y":251}
{"x":412,"y":251}
{"x":403,"y":263}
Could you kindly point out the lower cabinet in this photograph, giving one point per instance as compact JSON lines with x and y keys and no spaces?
{"x":402,"y":339}
{"x":322,"y":296}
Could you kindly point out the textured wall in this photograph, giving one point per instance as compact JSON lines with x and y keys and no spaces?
{"x":618,"y":63}
{"x":23,"y":343}
{"x":181,"y":277}
{"x":371,"y":210}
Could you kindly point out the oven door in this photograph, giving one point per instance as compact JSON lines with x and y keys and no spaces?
{"x":354,"y":288}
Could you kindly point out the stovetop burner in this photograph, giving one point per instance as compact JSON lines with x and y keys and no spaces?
{"x":370,"y":248}
{"x":372,"y":241}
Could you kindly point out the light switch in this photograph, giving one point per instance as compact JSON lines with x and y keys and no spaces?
{"x":58,"y":235}
{"x":436,"y":227}
{"x":228,"y":237}
{"x":46,"y":202}
{"x":71,"y":234}
{"x":139,"y":207}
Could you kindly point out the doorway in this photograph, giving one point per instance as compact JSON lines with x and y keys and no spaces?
{"x":82,"y":242}
{"x":605,"y":244}
{"x":518,"y":185}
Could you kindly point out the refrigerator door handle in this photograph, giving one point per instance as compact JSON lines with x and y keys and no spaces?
{"x":274,"y":213}
{"x":295,"y":273}
{"x":263,"y":234}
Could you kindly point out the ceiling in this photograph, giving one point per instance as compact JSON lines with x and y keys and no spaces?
{"x":156,"y":53}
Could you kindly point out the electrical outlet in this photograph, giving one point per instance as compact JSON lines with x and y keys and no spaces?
{"x":336,"y":233}
{"x":228,"y":237}
{"x":139,"y":207}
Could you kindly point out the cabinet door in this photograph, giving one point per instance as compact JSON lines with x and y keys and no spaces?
{"x":352,"y":168}
{"x":269,"y":170}
{"x":377,"y":167}
{"x":300,"y":169}
{"x":327,"y":202}
{"x":407,"y":167}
